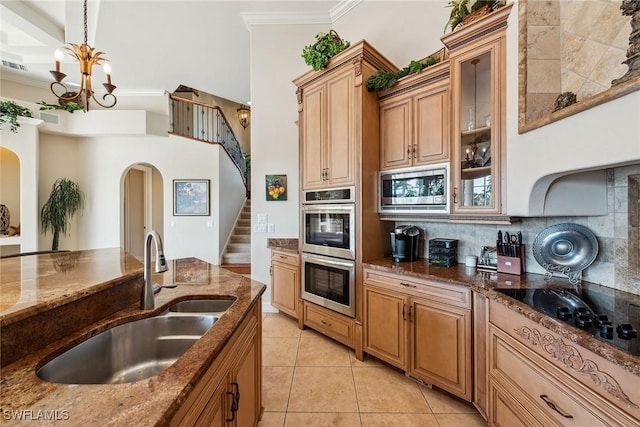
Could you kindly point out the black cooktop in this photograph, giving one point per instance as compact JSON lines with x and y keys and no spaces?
{"x":610,"y":315}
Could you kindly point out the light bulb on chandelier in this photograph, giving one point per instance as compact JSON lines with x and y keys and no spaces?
{"x":87,"y":57}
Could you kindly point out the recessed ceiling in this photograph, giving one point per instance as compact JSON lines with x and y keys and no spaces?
{"x":152,"y":45}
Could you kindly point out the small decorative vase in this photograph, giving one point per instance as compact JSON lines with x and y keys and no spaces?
{"x":4,"y":219}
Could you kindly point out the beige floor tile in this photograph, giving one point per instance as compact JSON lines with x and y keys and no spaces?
{"x":280,"y":326}
{"x":458,"y":420}
{"x":276,"y":385}
{"x":321,"y":351}
{"x":368,"y":361}
{"x":322,"y":389}
{"x":279,"y":351}
{"x":307,"y":419}
{"x":272,"y":419}
{"x":396,"y":420}
{"x":382,"y":389}
{"x":444,"y":403}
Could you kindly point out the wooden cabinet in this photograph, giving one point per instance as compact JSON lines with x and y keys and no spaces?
{"x":414,"y":120}
{"x":538,"y":378}
{"x":329,"y":323}
{"x":420,"y":326}
{"x":477,"y":55}
{"x":230,"y":391}
{"x":338,"y":117}
{"x":285,"y":282}
{"x":480,"y":313}
{"x":328,"y":158}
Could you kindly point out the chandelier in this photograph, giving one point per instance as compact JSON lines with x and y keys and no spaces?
{"x":87,"y":58}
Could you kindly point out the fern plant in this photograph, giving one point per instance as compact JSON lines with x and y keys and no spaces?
{"x":462,"y":8}
{"x":65,"y":200}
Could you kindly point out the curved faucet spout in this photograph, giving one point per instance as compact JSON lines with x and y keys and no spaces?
{"x":147,"y":300}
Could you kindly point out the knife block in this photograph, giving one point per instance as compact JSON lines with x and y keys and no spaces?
{"x":512,"y":265}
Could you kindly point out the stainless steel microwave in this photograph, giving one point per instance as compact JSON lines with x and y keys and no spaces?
{"x":415,"y":190}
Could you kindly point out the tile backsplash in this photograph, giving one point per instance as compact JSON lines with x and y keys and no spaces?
{"x":611,"y":266}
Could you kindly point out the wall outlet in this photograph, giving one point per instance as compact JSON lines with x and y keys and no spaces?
{"x":262,"y":218}
{"x":259,"y":228}
{"x":271,"y":228}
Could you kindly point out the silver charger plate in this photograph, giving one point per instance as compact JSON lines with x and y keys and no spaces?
{"x":567,"y":247}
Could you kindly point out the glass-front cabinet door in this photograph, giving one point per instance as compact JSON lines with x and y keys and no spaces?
{"x":478,"y":71}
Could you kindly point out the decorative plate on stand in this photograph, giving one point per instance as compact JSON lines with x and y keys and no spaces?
{"x":565,"y":248}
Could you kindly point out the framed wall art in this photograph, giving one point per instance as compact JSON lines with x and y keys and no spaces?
{"x":275,"y":187}
{"x":191,"y":197}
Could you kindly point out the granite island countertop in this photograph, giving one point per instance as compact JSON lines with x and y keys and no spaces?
{"x":148,"y":402}
{"x":486,"y":283}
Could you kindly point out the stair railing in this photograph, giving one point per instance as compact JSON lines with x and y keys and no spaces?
{"x":207,"y":123}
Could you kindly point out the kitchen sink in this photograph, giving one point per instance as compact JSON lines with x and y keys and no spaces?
{"x":201,"y":306}
{"x":129,"y":352}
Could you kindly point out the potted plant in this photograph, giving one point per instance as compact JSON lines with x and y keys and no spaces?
{"x":464,"y":11}
{"x":65,"y":200}
{"x":9,"y":112}
{"x":327,"y":45}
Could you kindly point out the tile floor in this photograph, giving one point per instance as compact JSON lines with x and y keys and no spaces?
{"x":311,"y":380}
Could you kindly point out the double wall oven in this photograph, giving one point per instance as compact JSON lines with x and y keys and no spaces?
{"x":328,"y":249}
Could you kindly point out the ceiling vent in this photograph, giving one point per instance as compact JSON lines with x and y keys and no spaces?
{"x":14,"y":65}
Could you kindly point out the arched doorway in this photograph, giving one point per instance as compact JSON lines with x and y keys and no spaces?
{"x":142,"y":206}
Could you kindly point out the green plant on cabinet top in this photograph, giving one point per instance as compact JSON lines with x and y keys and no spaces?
{"x":9,"y":112}
{"x":327,"y":45}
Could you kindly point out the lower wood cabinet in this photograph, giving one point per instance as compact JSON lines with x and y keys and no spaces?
{"x":328,"y":322}
{"x":285,"y":282}
{"x":420,"y":326}
{"x":230,"y":392}
{"x":537,"y":378}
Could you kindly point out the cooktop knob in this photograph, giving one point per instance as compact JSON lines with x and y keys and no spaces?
{"x":563,"y":313}
{"x":606,"y":330}
{"x":626,"y":332}
{"x":584,"y":322}
{"x":600,"y":319}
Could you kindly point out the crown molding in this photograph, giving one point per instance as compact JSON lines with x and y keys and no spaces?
{"x":279,"y":18}
{"x":342,"y":8}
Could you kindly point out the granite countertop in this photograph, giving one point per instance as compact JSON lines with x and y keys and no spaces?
{"x":486,"y":283}
{"x":152,"y":401}
{"x":285,"y":245}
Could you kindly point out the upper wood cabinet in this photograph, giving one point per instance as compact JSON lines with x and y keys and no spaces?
{"x":336,"y":114}
{"x":414,"y":120}
{"x":477,"y":55}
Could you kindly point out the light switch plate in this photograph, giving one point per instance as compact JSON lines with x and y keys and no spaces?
{"x":271,"y":228}
{"x":262,"y":218}
{"x":259,"y":228}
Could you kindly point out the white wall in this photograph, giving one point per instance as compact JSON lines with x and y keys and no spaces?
{"x":275,"y":62}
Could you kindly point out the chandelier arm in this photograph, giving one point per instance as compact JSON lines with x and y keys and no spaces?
{"x":62,"y":97}
{"x":104,"y":97}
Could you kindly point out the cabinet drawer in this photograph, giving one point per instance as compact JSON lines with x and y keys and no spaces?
{"x":286,"y":257}
{"x":547,"y":389}
{"x":596,"y":376}
{"x":329,"y":323}
{"x":456,"y":295}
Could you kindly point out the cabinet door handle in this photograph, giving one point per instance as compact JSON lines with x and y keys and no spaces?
{"x":409,"y":152}
{"x":237,"y":394}
{"x":454,"y":195}
{"x":408,"y":285}
{"x":403,"y":316}
{"x":326,"y":174}
{"x":234,"y":407}
{"x":325,"y":323}
{"x":282,"y":256}
{"x":271,"y":270}
{"x":414,"y":151}
{"x":410,"y":317}
{"x":553,"y":406}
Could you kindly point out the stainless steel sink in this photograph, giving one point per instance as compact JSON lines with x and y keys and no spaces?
{"x":201,"y":306}
{"x":129,"y":352}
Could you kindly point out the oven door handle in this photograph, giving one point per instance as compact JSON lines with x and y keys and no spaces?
{"x":330,"y":263}
{"x":323,"y":209}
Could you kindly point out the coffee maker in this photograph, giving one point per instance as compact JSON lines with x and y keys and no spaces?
{"x":404,"y":243}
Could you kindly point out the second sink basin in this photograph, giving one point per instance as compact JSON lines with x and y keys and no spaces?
{"x":129,"y":352}
{"x":208,"y":306}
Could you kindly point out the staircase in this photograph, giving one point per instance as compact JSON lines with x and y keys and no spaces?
{"x":237,"y":254}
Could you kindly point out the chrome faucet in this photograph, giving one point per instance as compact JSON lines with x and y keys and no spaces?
{"x":147,"y":300}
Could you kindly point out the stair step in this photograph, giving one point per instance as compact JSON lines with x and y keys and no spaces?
{"x":236,"y":258}
{"x":240,"y":238}
{"x":238,"y":247}
{"x":242,"y":230}
{"x":243,"y":223}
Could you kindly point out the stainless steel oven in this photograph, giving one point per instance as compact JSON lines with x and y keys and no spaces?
{"x":329,"y":282}
{"x":328,"y":220}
